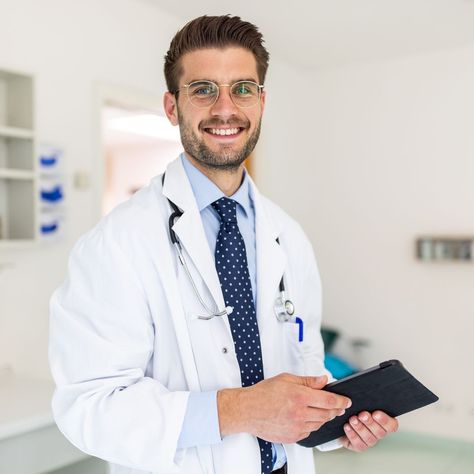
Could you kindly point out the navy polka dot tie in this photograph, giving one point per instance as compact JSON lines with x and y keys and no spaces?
{"x":232,"y":268}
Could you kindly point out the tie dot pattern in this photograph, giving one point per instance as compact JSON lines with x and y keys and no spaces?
{"x":232,"y":268}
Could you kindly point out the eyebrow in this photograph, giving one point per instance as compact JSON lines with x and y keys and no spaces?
{"x":216,"y":82}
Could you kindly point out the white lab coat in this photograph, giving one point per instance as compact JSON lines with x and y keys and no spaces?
{"x":126,"y":349}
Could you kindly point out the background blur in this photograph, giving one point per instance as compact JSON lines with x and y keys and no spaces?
{"x":368,"y":141}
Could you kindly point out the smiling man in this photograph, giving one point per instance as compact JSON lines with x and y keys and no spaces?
{"x":168,"y":348}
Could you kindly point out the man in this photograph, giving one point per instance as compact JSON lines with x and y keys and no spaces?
{"x":165,"y":348}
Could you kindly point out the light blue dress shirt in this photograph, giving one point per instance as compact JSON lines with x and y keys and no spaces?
{"x":201,"y":422}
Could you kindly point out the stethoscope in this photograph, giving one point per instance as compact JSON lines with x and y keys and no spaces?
{"x":283,"y":308}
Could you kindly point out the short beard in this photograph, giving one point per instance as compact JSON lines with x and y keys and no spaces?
{"x":224,"y":160}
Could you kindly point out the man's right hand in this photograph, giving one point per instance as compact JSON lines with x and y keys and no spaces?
{"x":281,"y":409}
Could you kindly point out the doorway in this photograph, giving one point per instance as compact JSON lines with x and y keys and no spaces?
{"x":138,"y":144}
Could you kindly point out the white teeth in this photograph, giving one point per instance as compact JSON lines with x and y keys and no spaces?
{"x":224,"y":131}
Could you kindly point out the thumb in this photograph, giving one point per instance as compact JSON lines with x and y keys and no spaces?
{"x":316,"y":382}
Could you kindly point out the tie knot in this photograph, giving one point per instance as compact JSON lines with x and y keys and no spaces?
{"x":227,"y":210}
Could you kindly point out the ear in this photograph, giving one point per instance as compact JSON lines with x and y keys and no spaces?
{"x":170,"y":107}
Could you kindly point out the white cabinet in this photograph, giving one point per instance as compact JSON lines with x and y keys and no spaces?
{"x":18,"y":169}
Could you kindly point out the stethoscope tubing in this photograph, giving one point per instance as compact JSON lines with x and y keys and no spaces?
{"x":284,"y":308}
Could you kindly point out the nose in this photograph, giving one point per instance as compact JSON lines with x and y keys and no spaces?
{"x":224,"y":106}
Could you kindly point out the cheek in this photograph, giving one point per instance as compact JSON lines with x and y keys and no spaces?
{"x":192,"y":120}
{"x":254,"y":115}
{"x":186,"y":123}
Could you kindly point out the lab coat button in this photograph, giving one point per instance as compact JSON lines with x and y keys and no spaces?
{"x":225,"y":350}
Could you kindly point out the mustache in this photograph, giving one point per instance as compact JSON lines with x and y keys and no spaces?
{"x":233,"y":123}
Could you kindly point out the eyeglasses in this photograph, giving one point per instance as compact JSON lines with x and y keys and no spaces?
{"x":204,"y":94}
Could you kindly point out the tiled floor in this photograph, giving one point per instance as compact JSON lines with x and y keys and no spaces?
{"x":402,"y":453}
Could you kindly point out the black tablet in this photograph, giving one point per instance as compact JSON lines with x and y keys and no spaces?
{"x":388,"y":387}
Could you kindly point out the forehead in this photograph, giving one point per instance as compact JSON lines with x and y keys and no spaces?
{"x":219,"y":65}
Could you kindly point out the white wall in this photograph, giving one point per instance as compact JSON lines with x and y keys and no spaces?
{"x":387,"y":154}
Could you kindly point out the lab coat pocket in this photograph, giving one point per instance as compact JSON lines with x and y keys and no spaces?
{"x":293,"y":348}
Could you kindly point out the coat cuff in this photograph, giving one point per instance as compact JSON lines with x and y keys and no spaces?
{"x":330,"y":445}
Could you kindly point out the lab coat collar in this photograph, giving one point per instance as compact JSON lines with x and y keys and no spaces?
{"x":190,"y":230}
{"x":177,"y":188}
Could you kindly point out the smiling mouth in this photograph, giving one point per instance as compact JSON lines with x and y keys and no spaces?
{"x":224,"y":132}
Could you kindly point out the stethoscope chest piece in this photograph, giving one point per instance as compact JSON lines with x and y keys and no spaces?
{"x":284,"y":309}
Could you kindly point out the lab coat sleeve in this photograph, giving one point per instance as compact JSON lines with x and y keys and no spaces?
{"x":101,"y":340}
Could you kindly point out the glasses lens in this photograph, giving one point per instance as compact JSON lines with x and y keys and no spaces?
{"x":245,"y":93}
{"x":202,"y":93}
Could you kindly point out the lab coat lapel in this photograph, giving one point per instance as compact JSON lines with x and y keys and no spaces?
{"x":190,"y":230}
{"x":271,"y":261}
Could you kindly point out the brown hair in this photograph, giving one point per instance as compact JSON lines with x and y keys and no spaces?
{"x":214,"y":32}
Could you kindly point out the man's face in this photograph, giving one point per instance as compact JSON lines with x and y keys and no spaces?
{"x":201,"y":128}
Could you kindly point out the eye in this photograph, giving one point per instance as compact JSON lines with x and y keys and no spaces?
{"x":202,"y":89}
{"x":245,"y":89}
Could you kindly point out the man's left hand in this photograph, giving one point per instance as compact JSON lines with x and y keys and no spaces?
{"x":366,"y":429}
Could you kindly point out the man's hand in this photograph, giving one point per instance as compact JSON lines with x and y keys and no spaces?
{"x":365,"y":430}
{"x":281,"y":409}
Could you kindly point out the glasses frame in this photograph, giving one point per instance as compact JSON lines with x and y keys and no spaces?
{"x":187,"y":86}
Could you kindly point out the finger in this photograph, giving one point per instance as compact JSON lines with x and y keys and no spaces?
{"x":344,"y":440}
{"x":290,"y":378}
{"x":315,"y":426}
{"x":320,"y":414}
{"x":388,"y":423}
{"x":363,"y":432}
{"x":315,"y":382}
{"x":304,"y":435}
{"x":373,"y":426}
{"x":355,"y":442}
{"x":327,"y":400}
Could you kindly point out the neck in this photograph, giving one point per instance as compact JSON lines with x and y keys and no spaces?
{"x":227,"y":180}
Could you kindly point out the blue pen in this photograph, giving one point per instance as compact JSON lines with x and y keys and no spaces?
{"x":300,"y":324}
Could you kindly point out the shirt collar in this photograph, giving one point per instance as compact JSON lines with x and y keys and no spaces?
{"x":206,"y":192}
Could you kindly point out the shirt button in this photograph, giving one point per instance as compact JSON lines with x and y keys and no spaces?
{"x":225,"y":350}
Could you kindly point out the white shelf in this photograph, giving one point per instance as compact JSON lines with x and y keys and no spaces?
{"x":17,"y":244}
{"x":16,"y":174}
{"x":18,"y":167}
{"x":15,"y":132}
